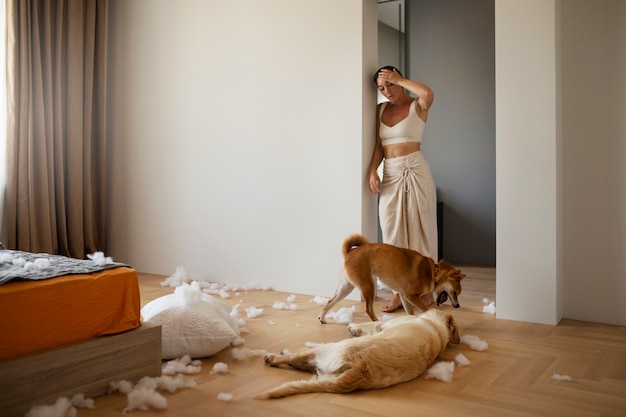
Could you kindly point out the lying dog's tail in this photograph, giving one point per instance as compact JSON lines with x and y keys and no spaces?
{"x":305,"y":387}
{"x":353,"y":241}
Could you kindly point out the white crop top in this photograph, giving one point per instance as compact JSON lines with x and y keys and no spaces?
{"x":409,"y":129}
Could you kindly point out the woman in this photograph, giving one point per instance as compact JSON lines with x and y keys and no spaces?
{"x":407,"y":207}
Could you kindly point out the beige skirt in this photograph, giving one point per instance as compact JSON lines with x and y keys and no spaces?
{"x":407,"y":208}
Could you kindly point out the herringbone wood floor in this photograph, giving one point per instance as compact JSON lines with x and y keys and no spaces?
{"x":513,"y":377}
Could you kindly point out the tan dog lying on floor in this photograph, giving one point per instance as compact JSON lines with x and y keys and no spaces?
{"x":405,"y":271}
{"x":387,"y":353}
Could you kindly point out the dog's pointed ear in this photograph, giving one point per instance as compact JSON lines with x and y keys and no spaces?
{"x":454,"y":331}
{"x":459,"y":276}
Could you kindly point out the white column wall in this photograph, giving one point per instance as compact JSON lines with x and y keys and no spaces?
{"x":528,"y":179}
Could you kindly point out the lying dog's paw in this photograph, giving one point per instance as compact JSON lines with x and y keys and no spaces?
{"x":321,"y":320}
{"x":354,"y":329}
{"x":269,"y":359}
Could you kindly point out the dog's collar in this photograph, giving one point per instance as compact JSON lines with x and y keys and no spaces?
{"x":436,"y":269}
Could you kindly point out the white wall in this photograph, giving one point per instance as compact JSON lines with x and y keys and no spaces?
{"x":528,"y":181}
{"x":237,"y":134}
{"x":561,"y":158}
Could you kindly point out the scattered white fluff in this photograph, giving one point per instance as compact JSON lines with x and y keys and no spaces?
{"x":144,"y":395}
{"x":257,"y":287}
{"x":271,"y":322}
{"x":312,"y":344}
{"x":489,"y":307}
{"x":238,"y":341}
{"x":19,"y":261}
{"x":253,"y":312}
{"x":461,"y":360}
{"x":246,"y":287}
{"x":442,"y":371}
{"x":343,"y":315}
{"x":236,"y":315}
{"x":234,"y":312}
{"x":474,"y":342}
{"x":241,"y":354}
{"x":42,"y":263}
{"x":6,"y":258}
{"x":386,"y":317}
{"x":124,"y":386}
{"x":177,"y":278}
{"x":224,"y":289}
{"x":220,"y":368}
{"x":168,"y":383}
{"x":319,"y":300}
{"x":173,"y":384}
{"x":79,"y":401}
{"x":558,"y":377}
{"x":223,"y":293}
{"x":183,"y":365}
{"x":63,"y":407}
{"x":147,"y":382}
{"x":145,"y":398}
{"x":291,"y":298}
{"x":223,"y":396}
{"x":212,"y":287}
{"x":39,"y":263}
{"x":164,"y":382}
{"x":189,"y":294}
{"x":283,"y":306}
{"x":100,"y":259}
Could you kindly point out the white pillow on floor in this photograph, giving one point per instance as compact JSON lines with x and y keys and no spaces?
{"x":193,"y":323}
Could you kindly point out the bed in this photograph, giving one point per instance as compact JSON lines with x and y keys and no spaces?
{"x":67,"y":327}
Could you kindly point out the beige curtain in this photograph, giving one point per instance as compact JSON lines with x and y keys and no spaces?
{"x":55,"y":187}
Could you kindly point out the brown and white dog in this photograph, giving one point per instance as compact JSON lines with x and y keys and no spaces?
{"x":413,"y":276}
{"x":385,"y":354}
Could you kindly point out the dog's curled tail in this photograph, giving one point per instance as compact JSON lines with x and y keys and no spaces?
{"x":304,"y":387}
{"x":352,"y":241}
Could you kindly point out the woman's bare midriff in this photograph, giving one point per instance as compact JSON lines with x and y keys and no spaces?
{"x":400,"y":149}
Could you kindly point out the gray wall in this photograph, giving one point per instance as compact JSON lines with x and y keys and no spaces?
{"x":451,"y":47}
{"x":594,"y":159}
{"x":391,"y":44}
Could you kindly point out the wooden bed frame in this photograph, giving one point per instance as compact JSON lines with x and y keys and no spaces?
{"x":80,"y":368}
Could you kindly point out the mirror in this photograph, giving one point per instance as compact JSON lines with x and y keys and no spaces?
{"x":391,"y":36}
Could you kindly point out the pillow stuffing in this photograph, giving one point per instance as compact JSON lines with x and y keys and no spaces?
{"x":192,"y":323}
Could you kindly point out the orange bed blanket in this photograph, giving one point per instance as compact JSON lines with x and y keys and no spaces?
{"x":36,"y":315}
